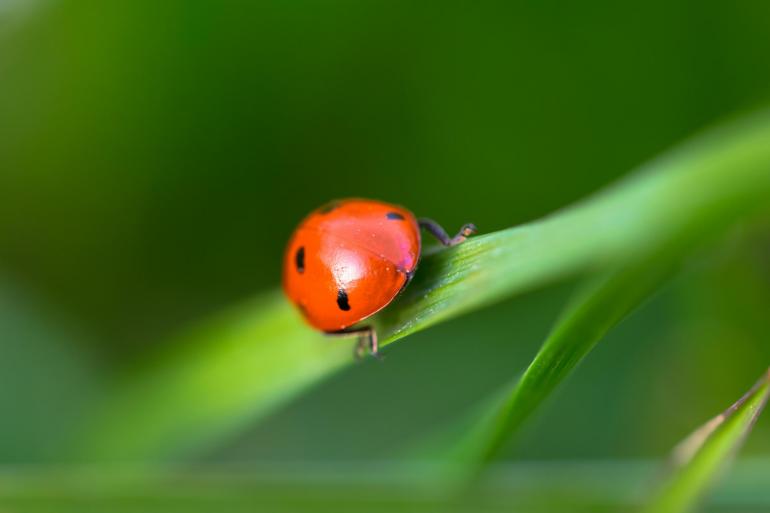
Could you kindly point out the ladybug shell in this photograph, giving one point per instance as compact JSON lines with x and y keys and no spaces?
{"x":348,"y":260}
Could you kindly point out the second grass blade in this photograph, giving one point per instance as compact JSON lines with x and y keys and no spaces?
{"x":598,"y":307}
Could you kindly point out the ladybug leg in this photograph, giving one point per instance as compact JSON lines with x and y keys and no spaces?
{"x":437,"y":231}
{"x":374,"y":348}
{"x":367,"y":341}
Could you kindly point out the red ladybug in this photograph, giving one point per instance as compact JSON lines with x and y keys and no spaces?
{"x":350,"y":258}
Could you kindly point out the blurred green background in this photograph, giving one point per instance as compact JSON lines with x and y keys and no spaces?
{"x":155,"y":156}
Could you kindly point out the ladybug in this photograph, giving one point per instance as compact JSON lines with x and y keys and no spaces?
{"x":350,"y":258}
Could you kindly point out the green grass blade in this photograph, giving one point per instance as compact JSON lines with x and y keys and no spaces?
{"x":542,"y":487}
{"x":687,"y":194}
{"x":359,"y":488}
{"x":600,"y":305}
{"x":705,"y":453}
{"x":242,"y":365}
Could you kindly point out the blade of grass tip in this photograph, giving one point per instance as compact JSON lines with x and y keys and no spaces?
{"x":700,"y":458}
{"x":253,"y":359}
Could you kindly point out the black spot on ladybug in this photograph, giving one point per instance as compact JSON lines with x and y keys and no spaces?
{"x":394,"y":216}
{"x":342,"y":300}
{"x":328,"y":207}
{"x":299,"y":259}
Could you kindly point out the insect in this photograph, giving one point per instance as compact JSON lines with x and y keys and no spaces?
{"x":350,"y":258}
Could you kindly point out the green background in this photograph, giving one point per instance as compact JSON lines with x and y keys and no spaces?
{"x":155,"y":156}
